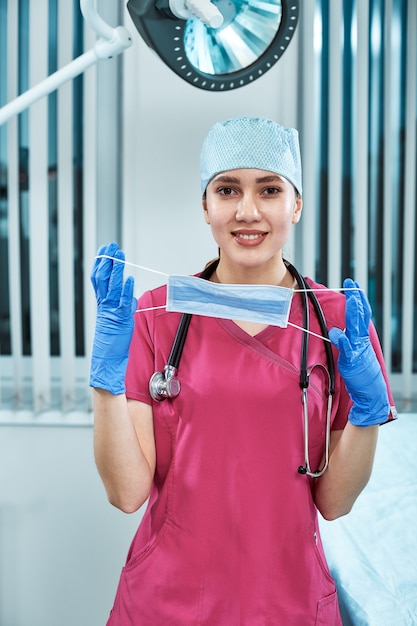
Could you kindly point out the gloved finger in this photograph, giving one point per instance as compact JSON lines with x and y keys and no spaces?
{"x":358,"y":312}
{"x":342,"y":343}
{"x":115,"y":284}
{"x":102,"y":270}
{"x":94,"y":269}
{"x":97,"y":260}
{"x":334,"y":336}
{"x":128,"y":303}
{"x":367,"y":310}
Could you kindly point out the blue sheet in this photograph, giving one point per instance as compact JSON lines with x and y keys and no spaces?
{"x":372,"y":552}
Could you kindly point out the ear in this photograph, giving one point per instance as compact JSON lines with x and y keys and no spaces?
{"x":298,"y":207}
{"x":204,"y":205}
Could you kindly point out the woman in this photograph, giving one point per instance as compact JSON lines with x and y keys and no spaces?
{"x":230,"y":534}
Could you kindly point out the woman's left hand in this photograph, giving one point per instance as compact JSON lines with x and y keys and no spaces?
{"x":357,"y":362}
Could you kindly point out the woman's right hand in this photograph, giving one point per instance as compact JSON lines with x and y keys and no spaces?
{"x":114,"y":323}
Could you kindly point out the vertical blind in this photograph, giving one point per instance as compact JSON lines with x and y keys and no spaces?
{"x":357,"y":90}
{"x":42,"y":331}
{"x":358,"y":123}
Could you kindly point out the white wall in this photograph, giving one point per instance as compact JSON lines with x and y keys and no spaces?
{"x":165,"y":122}
{"x":62,"y":545}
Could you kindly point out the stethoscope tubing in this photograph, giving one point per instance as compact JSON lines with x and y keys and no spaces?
{"x":308,"y":294}
{"x":166,"y":384}
{"x":163,"y":385}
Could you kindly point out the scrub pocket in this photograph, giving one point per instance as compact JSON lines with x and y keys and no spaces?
{"x":328,"y":611}
{"x":163,"y":584}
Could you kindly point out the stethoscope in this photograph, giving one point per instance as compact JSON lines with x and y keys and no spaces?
{"x":166,"y":384}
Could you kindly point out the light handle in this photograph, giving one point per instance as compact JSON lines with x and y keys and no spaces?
{"x":205,"y":10}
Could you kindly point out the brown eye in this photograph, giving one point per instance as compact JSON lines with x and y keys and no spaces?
{"x":225,"y":191}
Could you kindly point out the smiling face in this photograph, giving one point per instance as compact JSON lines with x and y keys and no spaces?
{"x":251,"y":212}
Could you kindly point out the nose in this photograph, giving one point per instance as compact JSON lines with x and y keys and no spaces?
{"x":247,"y":209}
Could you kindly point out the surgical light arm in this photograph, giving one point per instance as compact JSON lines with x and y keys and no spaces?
{"x":111,"y":42}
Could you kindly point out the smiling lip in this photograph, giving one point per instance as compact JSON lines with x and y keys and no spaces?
{"x":249,"y":238}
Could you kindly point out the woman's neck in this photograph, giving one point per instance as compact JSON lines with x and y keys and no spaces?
{"x":274,"y":274}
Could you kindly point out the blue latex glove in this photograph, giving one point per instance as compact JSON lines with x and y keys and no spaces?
{"x":114,"y":324}
{"x":358,"y":364}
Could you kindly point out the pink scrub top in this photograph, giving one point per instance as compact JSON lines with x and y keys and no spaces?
{"x":230,"y":535}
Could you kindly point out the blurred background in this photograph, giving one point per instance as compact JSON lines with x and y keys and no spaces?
{"x":114,"y":155}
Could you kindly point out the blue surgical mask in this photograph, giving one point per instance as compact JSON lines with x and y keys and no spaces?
{"x":265,"y":304}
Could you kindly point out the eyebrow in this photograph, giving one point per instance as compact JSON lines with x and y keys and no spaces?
{"x":225,"y":178}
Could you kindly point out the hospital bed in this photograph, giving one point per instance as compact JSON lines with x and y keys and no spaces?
{"x":372,"y":552}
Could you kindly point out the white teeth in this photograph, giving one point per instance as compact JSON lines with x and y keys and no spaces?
{"x":248,"y":236}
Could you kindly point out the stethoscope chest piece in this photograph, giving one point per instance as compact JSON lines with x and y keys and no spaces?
{"x":163,"y":385}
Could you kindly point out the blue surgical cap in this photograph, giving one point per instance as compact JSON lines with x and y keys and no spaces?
{"x":251,"y":142}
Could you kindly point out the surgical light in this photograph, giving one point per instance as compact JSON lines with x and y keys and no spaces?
{"x":219,"y":45}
